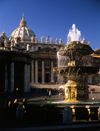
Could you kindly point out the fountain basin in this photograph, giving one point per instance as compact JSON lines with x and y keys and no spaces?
{"x":75,"y":47}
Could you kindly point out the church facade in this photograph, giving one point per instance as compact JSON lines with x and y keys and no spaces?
{"x":25,"y":60}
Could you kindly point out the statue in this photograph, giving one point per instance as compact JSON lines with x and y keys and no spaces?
{"x":42,"y":39}
{"x":36,"y":39}
{"x":5,"y":43}
{"x":84,"y":41}
{"x":27,"y":47}
{"x":56,"y":41}
{"x":47,"y":39}
{"x":88,"y":43}
{"x":32,"y":39}
{"x":51,"y":40}
{"x":60,"y":41}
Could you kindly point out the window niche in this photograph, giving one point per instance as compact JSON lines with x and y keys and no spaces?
{"x":39,"y":64}
{"x":47,"y":63}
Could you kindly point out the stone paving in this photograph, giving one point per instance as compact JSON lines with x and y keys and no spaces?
{"x":40,"y":95}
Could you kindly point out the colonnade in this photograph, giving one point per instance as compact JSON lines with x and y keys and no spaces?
{"x":12,"y":81}
{"x":34,"y":75}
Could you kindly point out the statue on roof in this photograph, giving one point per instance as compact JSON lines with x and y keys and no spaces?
{"x":60,"y":41}
{"x":32,"y":39}
{"x":47,"y":38}
{"x":36,"y":39}
{"x":5,"y":43}
{"x":56,"y":41}
{"x":51,"y":40}
{"x":42,"y":39}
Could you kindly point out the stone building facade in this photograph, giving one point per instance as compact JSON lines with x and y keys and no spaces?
{"x":25,"y":60}
{"x":43,"y":54}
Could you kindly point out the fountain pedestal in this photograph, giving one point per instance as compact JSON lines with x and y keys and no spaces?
{"x":75,"y":91}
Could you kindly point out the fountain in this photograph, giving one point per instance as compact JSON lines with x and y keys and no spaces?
{"x":71,"y":65}
{"x":76,"y":89}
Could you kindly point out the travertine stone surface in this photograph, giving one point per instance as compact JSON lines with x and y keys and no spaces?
{"x":20,"y":112}
{"x":67,"y":115}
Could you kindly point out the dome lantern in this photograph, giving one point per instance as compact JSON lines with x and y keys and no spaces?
{"x":23,"y":22}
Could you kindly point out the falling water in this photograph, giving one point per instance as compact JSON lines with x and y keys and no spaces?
{"x":74,"y":34}
{"x":62,"y":60}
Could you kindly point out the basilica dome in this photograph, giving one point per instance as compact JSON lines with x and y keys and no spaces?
{"x":25,"y":33}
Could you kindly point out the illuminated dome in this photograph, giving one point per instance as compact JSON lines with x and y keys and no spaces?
{"x":23,"y":32}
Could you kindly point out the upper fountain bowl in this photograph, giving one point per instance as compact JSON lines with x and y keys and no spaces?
{"x":75,"y":48}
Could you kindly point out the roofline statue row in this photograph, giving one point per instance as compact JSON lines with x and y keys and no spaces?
{"x":47,"y":39}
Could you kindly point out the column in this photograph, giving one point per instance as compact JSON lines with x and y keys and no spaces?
{"x":6,"y":77}
{"x":25,"y":78}
{"x":36,"y":71}
{"x":12,"y":78}
{"x":51,"y":71}
{"x":43,"y":71}
{"x":32,"y":71}
{"x":28,"y":78}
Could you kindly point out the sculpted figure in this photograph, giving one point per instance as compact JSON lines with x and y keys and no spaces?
{"x":56,"y":41}
{"x":60,"y":41}
{"x":42,"y":39}
{"x":32,"y":39}
{"x":47,"y":39}
{"x":27,"y":47}
{"x":36,"y":39}
{"x":5,"y":43}
{"x":51,"y":40}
